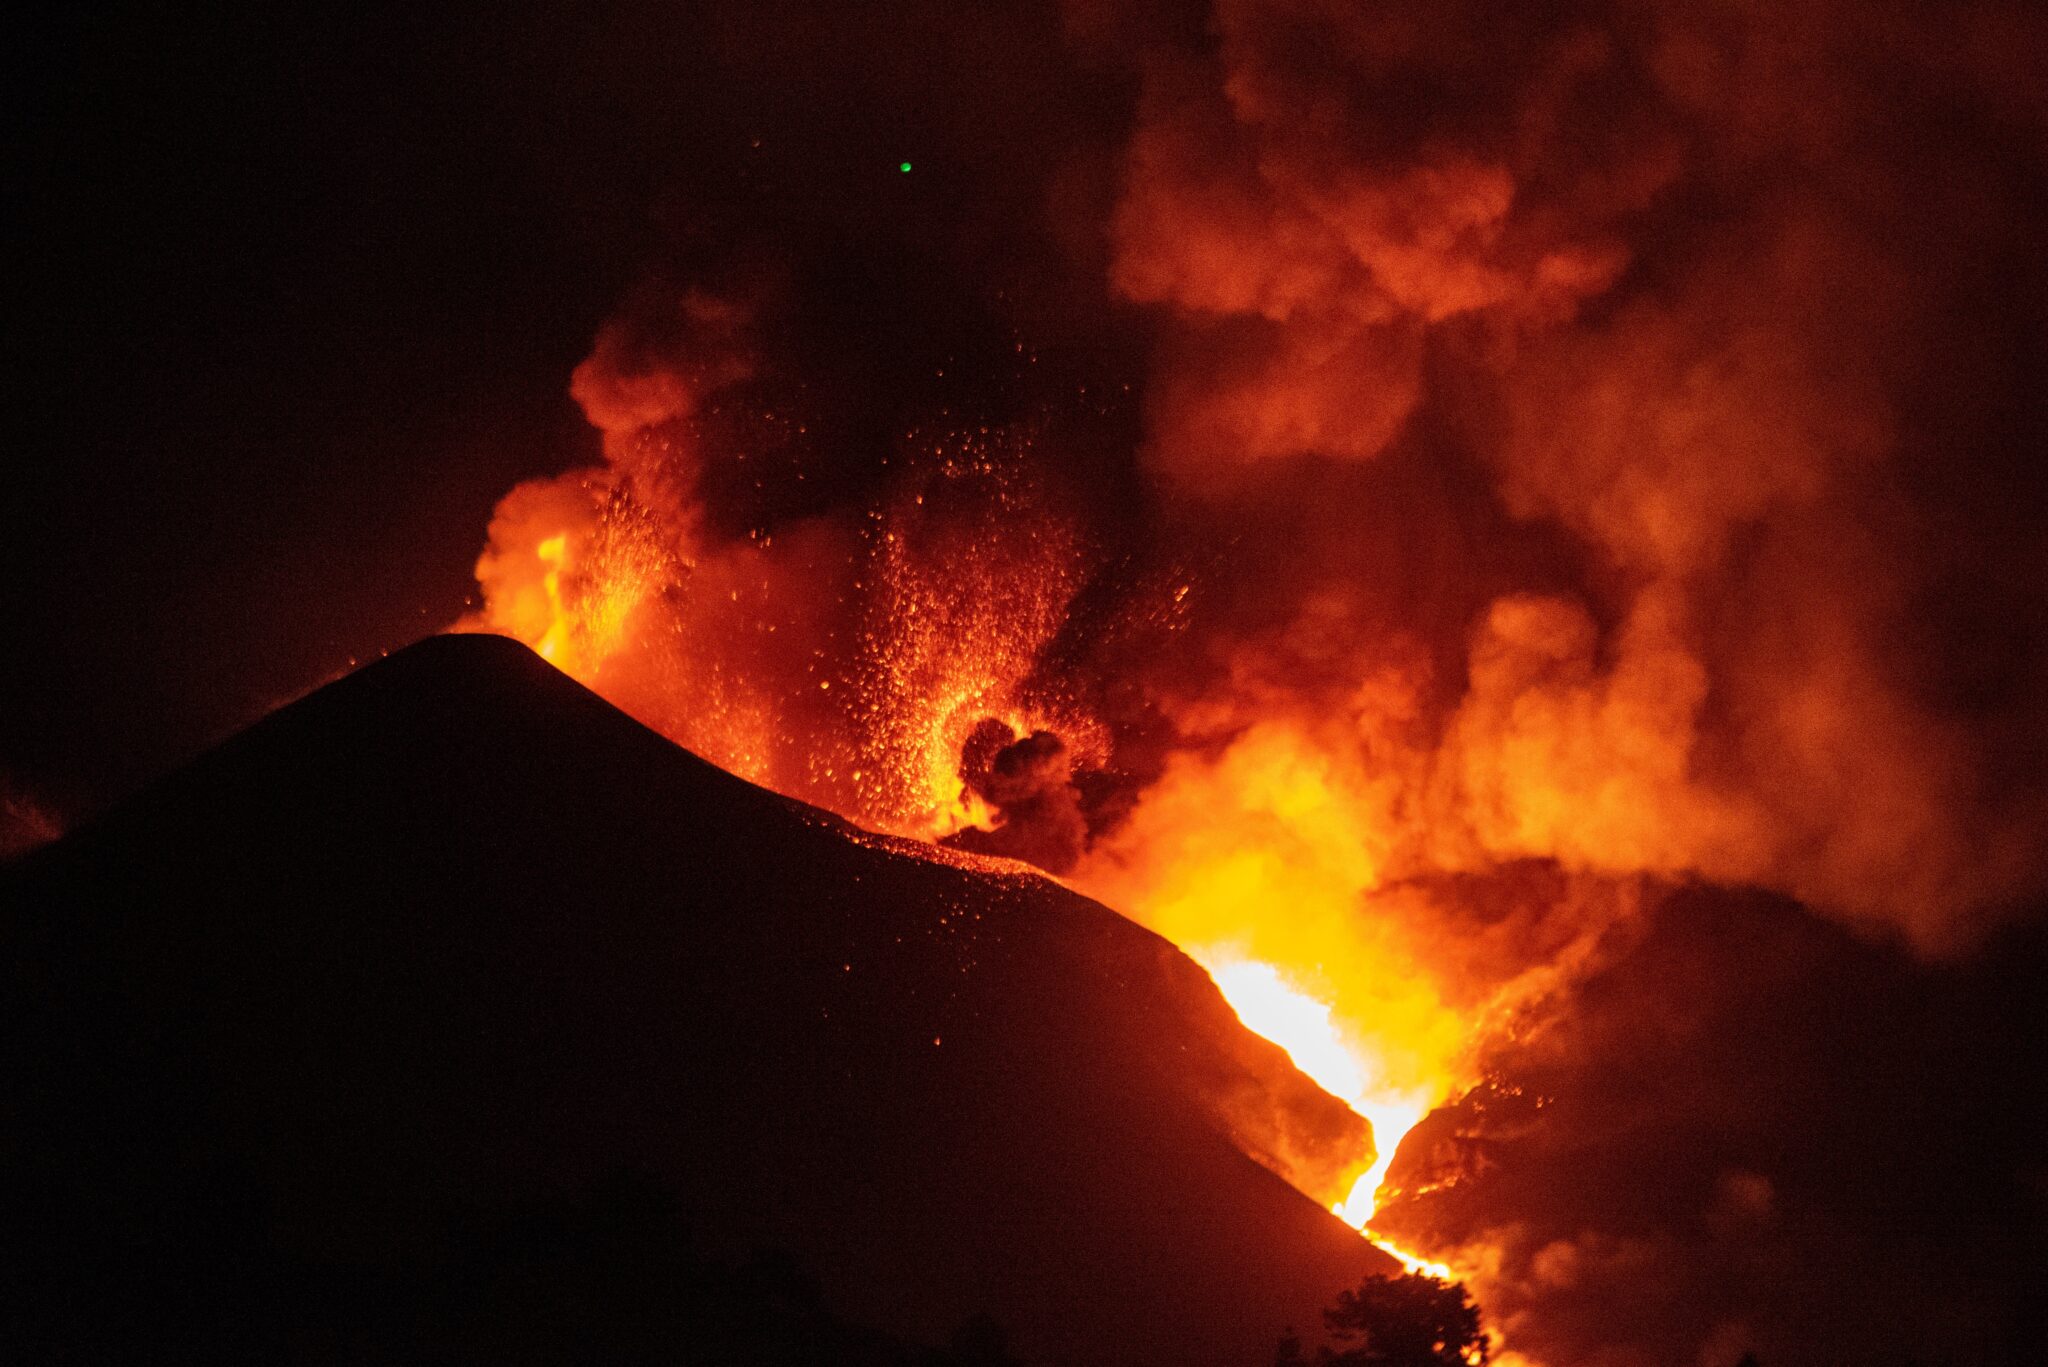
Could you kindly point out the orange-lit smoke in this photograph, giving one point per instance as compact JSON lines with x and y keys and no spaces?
{"x":1324,"y":204}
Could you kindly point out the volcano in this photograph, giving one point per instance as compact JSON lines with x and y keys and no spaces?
{"x":400,"y":1026}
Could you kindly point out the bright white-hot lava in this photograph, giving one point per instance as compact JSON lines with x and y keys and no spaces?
{"x":1305,"y":1027}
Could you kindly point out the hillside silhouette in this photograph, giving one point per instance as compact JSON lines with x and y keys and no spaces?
{"x":298,"y":1040}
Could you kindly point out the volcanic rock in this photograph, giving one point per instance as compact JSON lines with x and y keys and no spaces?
{"x":298,"y":1041}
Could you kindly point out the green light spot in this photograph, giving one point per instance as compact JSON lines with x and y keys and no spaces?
{"x":903,"y":167}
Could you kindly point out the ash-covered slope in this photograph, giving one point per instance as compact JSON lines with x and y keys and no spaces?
{"x":298,"y":1041}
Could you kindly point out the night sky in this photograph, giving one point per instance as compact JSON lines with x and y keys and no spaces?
{"x":295,"y":298}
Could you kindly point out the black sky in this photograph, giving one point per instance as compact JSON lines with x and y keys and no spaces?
{"x":291,"y":307}
{"x":295,"y":298}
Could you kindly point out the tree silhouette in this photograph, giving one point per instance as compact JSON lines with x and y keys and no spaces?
{"x":1404,"y":1321}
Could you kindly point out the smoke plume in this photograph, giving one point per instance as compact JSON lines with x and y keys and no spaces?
{"x":1668,"y":278}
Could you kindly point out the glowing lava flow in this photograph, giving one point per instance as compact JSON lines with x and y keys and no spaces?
{"x":1304,"y":1028}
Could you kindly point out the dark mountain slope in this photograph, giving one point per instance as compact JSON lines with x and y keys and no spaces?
{"x":452,"y":947}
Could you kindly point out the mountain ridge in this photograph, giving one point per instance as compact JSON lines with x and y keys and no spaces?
{"x":454,"y":934}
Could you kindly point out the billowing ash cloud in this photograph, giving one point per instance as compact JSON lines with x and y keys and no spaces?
{"x":1682,"y":284}
{"x":1422,"y":496}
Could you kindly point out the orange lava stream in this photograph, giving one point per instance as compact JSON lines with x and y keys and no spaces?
{"x":1305,"y":1028}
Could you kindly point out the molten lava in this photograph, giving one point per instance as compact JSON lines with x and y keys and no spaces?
{"x":1303,"y":1027}
{"x":1343,"y":1066}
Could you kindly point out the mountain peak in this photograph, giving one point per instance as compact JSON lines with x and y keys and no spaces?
{"x":452,"y":940}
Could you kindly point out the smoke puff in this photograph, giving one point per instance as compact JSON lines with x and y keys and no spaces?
{"x":651,"y":365}
{"x":1029,"y":782}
